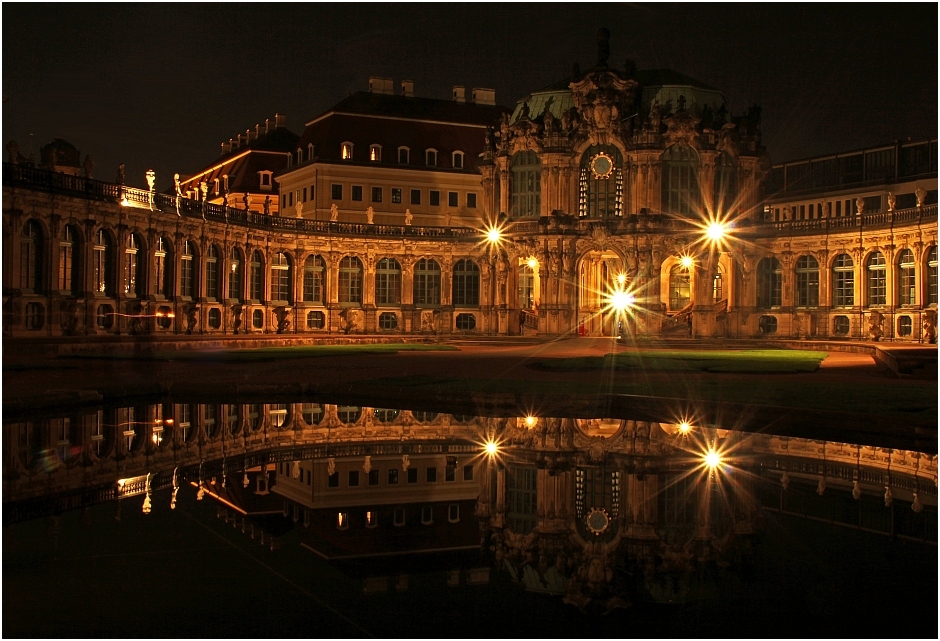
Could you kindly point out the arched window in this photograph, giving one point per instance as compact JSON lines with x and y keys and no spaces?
{"x":427,"y":282}
{"x":131,"y":266}
{"x":236,"y":275}
{"x":680,"y":181}
{"x":31,"y":256}
{"x":404,"y":155}
{"x":726,"y":183}
{"x":314,"y":279}
{"x":457,"y":159}
{"x":350,"y":281}
{"x":680,"y":287}
{"x":877,"y":281}
{"x":807,"y":282}
{"x":526,"y":287}
{"x":187,"y":273}
{"x":69,"y":252}
{"x":281,"y":278}
{"x":907,"y":283}
{"x":104,"y":275}
{"x":931,"y":297}
{"x":346,"y":151}
{"x":769,"y":283}
{"x":375,"y":153}
{"x":162,"y":272}
{"x":466,"y":284}
{"x":388,"y":282}
{"x":525,"y":185}
{"x":430,"y":157}
{"x":256,"y":276}
{"x":212,"y":272}
{"x":843,"y":281}
{"x":601,"y":192}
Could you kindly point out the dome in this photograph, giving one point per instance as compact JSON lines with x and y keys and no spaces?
{"x":60,"y":153}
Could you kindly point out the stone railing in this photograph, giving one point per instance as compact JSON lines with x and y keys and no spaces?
{"x":77,"y":186}
{"x":927,"y":213}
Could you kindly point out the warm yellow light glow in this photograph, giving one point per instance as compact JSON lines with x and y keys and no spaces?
{"x":684,"y":427}
{"x":494,"y":235}
{"x":687,"y":262}
{"x":532,"y":263}
{"x":621,"y":279}
{"x":491,"y":448}
{"x":125,"y":202}
{"x":530,"y":421}
{"x":712,"y":459}
{"x":621,"y":300}
{"x":715,"y":231}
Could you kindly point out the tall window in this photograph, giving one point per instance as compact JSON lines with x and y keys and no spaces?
{"x":526,"y":287}
{"x":236,"y":272}
{"x":769,"y":283}
{"x":807,"y":282}
{"x":680,"y":181}
{"x":726,"y":184}
{"x":131,"y":274}
{"x":718,"y":285}
{"x":256,"y":276}
{"x":346,"y":151}
{"x":212,"y":272}
{"x":404,"y":155}
{"x":68,"y":254}
{"x":427,"y":282}
{"x":104,"y":278}
{"x":314,"y":279}
{"x":375,"y":153}
{"x":525,"y":185}
{"x":906,"y":280}
{"x":350,"y":281}
{"x":931,"y":298}
{"x":680,"y":287}
{"x":430,"y":157}
{"x":601,"y":182}
{"x":877,"y":281}
{"x":466,"y":284}
{"x":187,"y":278}
{"x":280,"y":278}
{"x":31,"y":256}
{"x":162,"y":274}
{"x":388,"y":282}
{"x":843,"y":281}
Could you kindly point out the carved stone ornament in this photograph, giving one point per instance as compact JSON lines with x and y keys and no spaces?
{"x":602,"y":98}
{"x":602,"y":166}
{"x":597,"y":520}
{"x":682,"y":130}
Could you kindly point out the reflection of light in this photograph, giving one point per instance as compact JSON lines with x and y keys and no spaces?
{"x":532,"y":263}
{"x":530,"y":421}
{"x":712,"y":459}
{"x":491,"y":448}
{"x":687,"y":262}
{"x":684,"y":427}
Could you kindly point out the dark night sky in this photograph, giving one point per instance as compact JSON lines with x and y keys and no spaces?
{"x":161,"y":85}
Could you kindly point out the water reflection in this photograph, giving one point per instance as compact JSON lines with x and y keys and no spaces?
{"x":600,"y":512}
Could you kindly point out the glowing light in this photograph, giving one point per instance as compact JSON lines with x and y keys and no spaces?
{"x":621,"y":300}
{"x":684,"y":427}
{"x":712,"y":459}
{"x":621,"y":279}
{"x":494,"y":235}
{"x":533,"y":263}
{"x":530,"y":421}
{"x":125,"y":202}
{"x":715,"y":231}
{"x":491,"y":448}
{"x":687,"y":262}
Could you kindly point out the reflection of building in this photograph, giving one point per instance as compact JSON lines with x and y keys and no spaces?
{"x":610,"y":181}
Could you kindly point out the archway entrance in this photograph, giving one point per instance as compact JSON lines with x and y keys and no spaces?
{"x":600,"y":273}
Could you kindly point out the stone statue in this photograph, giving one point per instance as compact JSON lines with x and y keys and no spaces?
{"x":447,"y":217}
{"x":88,"y":166}
{"x":929,"y":323}
{"x":298,"y":208}
{"x":267,"y":206}
{"x":427,"y":321}
{"x":151,"y":181}
{"x":920,"y":194}
{"x":370,"y":215}
{"x":179,"y":192}
{"x":13,"y":150}
{"x":203,"y":190}
{"x":656,"y":117}
{"x":827,"y":209}
{"x":352,"y":318}
{"x":860,"y":205}
{"x":875,"y":325}
{"x":246,"y":199}
{"x":334,"y":213}
{"x":120,"y":176}
{"x":892,"y":201}
{"x":408,"y":217}
{"x":548,"y":122}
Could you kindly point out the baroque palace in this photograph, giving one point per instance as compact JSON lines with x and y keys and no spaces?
{"x":616,"y":202}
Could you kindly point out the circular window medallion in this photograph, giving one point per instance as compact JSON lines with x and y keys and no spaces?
{"x":597,"y":520}
{"x":602,"y":166}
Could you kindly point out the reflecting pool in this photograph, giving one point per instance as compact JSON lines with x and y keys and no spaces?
{"x":320,"y":519}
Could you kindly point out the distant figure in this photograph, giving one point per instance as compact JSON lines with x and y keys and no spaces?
{"x":298,"y":208}
{"x":892,"y":201}
{"x":408,"y":217}
{"x":267,"y":206}
{"x":246,"y":199}
{"x":370,"y":215}
{"x":179,"y":192}
{"x":334,"y":213}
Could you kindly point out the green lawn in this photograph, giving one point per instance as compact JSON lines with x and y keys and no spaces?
{"x":272,"y":353}
{"x":751,"y":361}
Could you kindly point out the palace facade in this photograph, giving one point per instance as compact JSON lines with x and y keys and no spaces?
{"x":615,"y":202}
